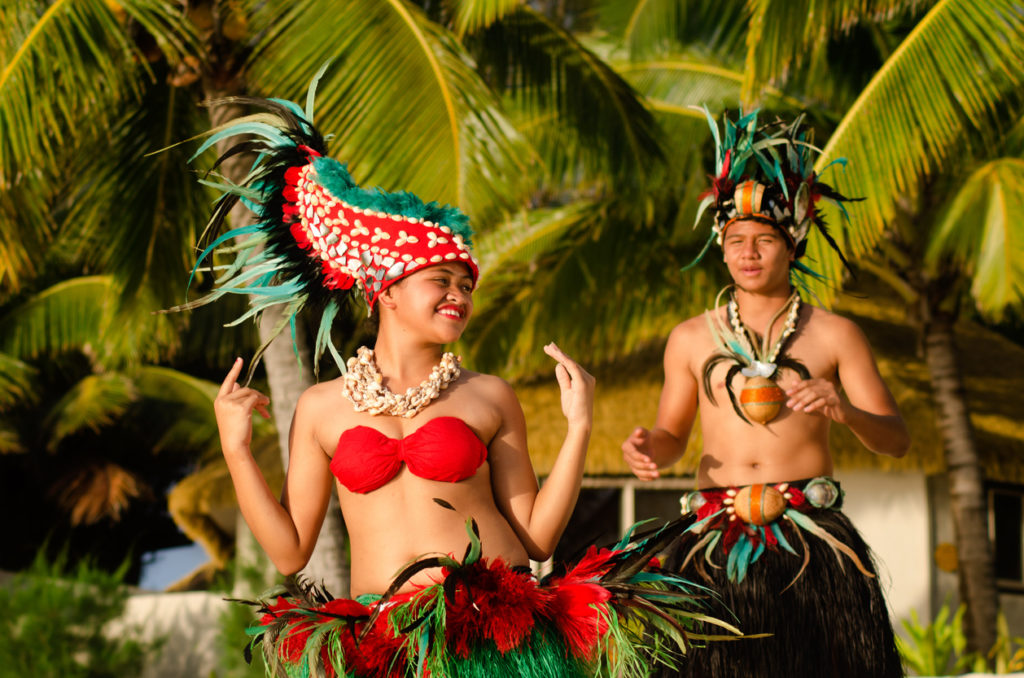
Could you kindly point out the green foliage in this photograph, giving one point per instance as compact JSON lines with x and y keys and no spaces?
{"x":982,"y":234}
{"x":408,"y":109}
{"x":1007,"y":656}
{"x":55,"y":622}
{"x":939,"y":648}
{"x":952,"y":82}
{"x":234,"y":622}
{"x":936,"y":648}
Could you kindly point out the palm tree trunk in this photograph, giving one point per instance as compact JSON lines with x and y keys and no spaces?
{"x":287,"y":381}
{"x":285,"y":377}
{"x":966,"y":485}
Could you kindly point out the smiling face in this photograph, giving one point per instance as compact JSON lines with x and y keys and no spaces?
{"x":758,"y":256}
{"x":435,"y":302}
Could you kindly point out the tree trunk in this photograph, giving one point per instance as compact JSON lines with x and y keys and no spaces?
{"x":286,"y":380}
{"x":328,"y":563}
{"x":966,"y":486}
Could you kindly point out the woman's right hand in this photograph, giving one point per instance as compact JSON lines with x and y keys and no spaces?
{"x":233,"y":407}
{"x":577,"y":387}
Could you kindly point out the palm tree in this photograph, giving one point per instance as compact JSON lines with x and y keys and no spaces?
{"x":101,"y":433}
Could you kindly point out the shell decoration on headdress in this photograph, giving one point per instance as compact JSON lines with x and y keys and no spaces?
{"x":317,"y":236}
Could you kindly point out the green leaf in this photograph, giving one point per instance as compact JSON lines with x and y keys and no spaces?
{"x":140,"y":215}
{"x":473,"y":15}
{"x":576,"y":275}
{"x":982,"y":233}
{"x":783,"y":33}
{"x":10,"y":439}
{"x":573,"y":104}
{"x":95,"y":402}
{"x":62,"y":66}
{"x":402,"y":97}
{"x":81,"y":314}
{"x":953,"y":76}
{"x":16,"y":382}
{"x":180,"y":406}
{"x":656,"y":27}
{"x":674,"y":85}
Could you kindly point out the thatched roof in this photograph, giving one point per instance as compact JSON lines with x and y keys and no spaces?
{"x":627,"y":396}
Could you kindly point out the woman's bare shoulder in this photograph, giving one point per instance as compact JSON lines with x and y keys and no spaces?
{"x":325,"y":395}
{"x":489,"y":386}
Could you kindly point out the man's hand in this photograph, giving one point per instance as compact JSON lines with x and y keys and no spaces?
{"x":636,"y":451}
{"x":820,"y":397}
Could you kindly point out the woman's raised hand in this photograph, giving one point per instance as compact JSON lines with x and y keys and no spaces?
{"x":577,"y":387}
{"x":233,"y":407}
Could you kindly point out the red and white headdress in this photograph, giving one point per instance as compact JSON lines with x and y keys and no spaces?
{"x":318,"y":235}
{"x":368,"y":241}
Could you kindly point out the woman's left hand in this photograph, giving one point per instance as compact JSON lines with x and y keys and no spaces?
{"x":577,"y":387}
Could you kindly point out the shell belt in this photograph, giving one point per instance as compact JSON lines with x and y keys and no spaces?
{"x":749,"y":520}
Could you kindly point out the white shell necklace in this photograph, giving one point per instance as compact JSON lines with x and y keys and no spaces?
{"x":763,"y":363}
{"x":365,"y":389}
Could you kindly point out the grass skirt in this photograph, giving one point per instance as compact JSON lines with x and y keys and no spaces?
{"x":615,"y":613}
{"x":825,"y":617}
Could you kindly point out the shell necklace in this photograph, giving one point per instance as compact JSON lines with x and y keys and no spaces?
{"x":761,"y":398}
{"x":752,"y":356}
{"x":763,"y":359}
{"x":365,"y":389}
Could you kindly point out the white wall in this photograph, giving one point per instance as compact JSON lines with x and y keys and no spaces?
{"x":891,"y":512}
{"x":190,"y":622}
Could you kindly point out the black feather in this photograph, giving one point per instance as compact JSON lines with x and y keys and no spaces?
{"x":733,"y":371}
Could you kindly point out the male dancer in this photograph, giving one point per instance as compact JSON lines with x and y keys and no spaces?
{"x":771,"y":538}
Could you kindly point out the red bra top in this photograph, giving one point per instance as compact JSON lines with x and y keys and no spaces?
{"x":443,"y":449}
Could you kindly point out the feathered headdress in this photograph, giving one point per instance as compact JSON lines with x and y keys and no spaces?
{"x":317,"y":235}
{"x":766,"y":173}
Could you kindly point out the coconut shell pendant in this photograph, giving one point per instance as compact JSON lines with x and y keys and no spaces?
{"x":758,"y":504}
{"x":761,"y":399}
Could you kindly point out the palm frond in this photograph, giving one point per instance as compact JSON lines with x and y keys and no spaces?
{"x":64,"y":317}
{"x":958,"y":73}
{"x":16,"y":382}
{"x":80,"y":313}
{"x":98,"y":489}
{"x":95,"y":402}
{"x":414,"y":116}
{"x":180,"y":407}
{"x":63,"y":63}
{"x":10,"y":440}
{"x":138,"y":214}
{"x":26,"y":226}
{"x":674,"y":85}
{"x":604,"y":284}
{"x":982,"y":233}
{"x":654,"y":27}
{"x":473,"y":15}
{"x":552,"y":77}
{"x":784,"y":32}
{"x":522,"y":239}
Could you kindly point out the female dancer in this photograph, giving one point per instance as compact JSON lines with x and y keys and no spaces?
{"x":427,"y":458}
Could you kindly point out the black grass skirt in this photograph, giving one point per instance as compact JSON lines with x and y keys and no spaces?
{"x":831,"y":623}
